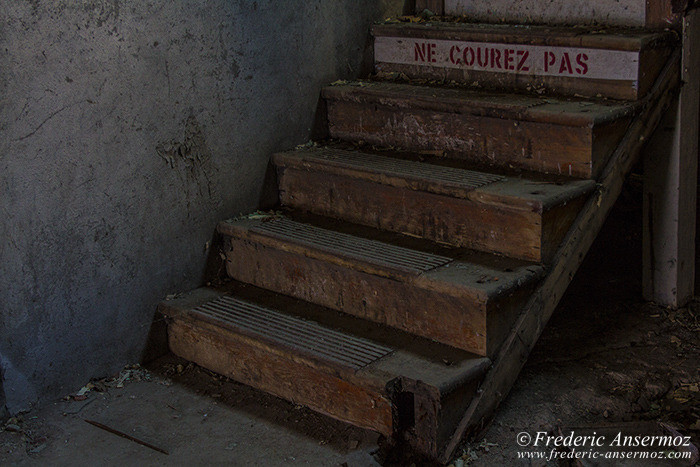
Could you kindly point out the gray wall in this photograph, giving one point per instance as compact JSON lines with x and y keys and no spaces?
{"x":128,"y":128}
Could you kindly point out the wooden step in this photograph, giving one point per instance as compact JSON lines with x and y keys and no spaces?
{"x":517,"y":217}
{"x":461,"y":299}
{"x":404,"y":387}
{"x":568,"y":137}
{"x":655,"y":14}
{"x":614,"y":64}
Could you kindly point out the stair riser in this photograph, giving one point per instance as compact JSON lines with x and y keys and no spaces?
{"x":283,"y":376}
{"x":453,"y":320}
{"x":460,"y":222}
{"x":569,"y":71}
{"x":404,"y":389}
{"x":546,"y":147}
{"x":632,"y":13}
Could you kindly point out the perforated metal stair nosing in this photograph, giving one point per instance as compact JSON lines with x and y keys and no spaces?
{"x":296,"y":333}
{"x":363,"y":249}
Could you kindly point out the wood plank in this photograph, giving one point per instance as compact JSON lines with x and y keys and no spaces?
{"x":253,"y":364}
{"x":487,"y":140}
{"x":395,"y":171}
{"x":469,"y":306}
{"x":462,"y":223}
{"x":380,"y":299}
{"x":541,"y":305}
{"x":439,"y":366}
{"x":623,"y":39}
{"x":670,"y":187}
{"x":566,"y":112}
{"x":547,"y":135}
{"x":410,"y":394}
{"x":507,"y":216}
{"x":632,"y":13}
{"x":533,"y":59}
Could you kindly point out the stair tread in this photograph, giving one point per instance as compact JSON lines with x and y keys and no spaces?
{"x":610,"y":38}
{"x":611,"y":63}
{"x":459,"y":178}
{"x":452,"y":271}
{"x":404,"y":259}
{"x":306,"y":336}
{"x":651,"y":14}
{"x":326,"y":337}
{"x":561,"y":136}
{"x":572,"y":112}
{"x":529,"y":194}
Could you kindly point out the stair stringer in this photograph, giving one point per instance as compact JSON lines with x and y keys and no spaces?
{"x":531,"y":321}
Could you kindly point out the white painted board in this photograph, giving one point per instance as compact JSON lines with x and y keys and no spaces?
{"x":532,"y":60}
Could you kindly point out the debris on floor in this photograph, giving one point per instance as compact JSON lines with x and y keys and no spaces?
{"x":606,"y":360}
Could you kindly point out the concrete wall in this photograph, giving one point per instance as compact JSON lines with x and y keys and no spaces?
{"x":128,"y":128}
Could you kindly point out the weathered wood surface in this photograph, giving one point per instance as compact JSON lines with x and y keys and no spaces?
{"x":670,"y":187}
{"x":655,"y":14}
{"x":359,"y":397}
{"x":466,"y":305}
{"x":253,"y":363}
{"x":548,"y":135}
{"x":536,"y":59}
{"x":410,"y":394}
{"x":555,"y":36}
{"x":539,"y":308}
{"x":520,"y":218}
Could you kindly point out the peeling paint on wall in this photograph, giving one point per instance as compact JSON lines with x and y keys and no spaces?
{"x":190,"y":157}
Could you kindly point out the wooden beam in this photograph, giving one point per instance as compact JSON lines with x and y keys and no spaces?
{"x":670,"y":187}
{"x":514,"y":352}
{"x":656,"y":14}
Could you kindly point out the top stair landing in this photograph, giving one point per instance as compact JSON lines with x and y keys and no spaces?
{"x":654,"y":14}
{"x":616,"y":64}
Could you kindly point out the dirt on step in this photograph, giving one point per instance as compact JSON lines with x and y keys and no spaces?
{"x":606,"y":363}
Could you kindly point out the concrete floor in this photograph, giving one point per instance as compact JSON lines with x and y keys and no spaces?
{"x":605,"y":360}
{"x":193,"y":425}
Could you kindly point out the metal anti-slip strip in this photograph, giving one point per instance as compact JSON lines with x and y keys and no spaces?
{"x":304,"y":332}
{"x":293,"y":332}
{"x":363,"y":249}
{"x":466,"y":179}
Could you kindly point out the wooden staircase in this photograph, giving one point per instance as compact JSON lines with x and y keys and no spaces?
{"x":419,"y":254}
